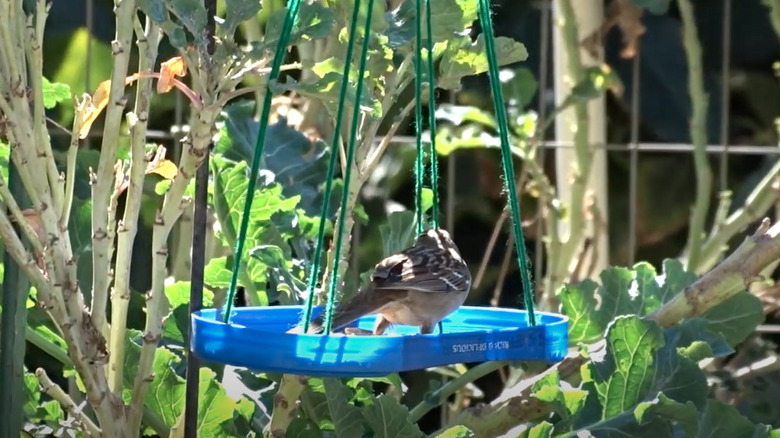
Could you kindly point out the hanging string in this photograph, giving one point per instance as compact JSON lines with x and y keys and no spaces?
{"x":432,"y":116}
{"x":315,"y":269}
{"x":419,"y":166}
{"x":289,"y":21}
{"x":506,"y":156}
{"x":348,"y":168}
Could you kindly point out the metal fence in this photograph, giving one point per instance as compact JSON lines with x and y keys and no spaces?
{"x":634,"y":148}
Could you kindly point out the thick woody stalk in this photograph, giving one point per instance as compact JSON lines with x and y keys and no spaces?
{"x":58,"y":293}
{"x":562,"y":254}
{"x":194,"y":149}
{"x":517,"y":405}
{"x":698,"y":126}
{"x":757,"y":203}
{"x":124,"y":11}
{"x":54,"y":391}
{"x":148,"y":40}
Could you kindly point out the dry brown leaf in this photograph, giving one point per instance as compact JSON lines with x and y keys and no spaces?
{"x":32,"y":217}
{"x":93,"y":109}
{"x":625,"y":15}
{"x":164,"y":168}
{"x":168,"y":70}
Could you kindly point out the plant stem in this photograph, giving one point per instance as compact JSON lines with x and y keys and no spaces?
{"x":562,"y":254}
{"x":757,"y":203}
{"x":16,"y":288}
{"x":774,"y":14}
{"x":70,"y":172}
{"x":440,"y":395}
{"x":194,"y":149}
{"x":698,"y":126}
{"x":285,"y":404}
{"x":148,"y":40}
{"x":724,"y":281}
{"x":54,"y":391}
{"x":124,"y":10}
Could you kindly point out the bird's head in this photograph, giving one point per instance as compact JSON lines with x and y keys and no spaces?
{"x":436,"y":237}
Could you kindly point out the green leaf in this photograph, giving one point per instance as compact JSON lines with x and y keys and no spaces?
{"x":177,"y":321}
{"x":691,"y":331}
{"x":518,"y":85}
{"x":32,"y":392}
{"x":158,"y":12}
{"x":722,"y":420}
{"x":565,"y":403}
{"x":297,"y":163}
{"x":215,"y":407}
{"x":346,"y":417}
{"x":217,"y":273}
{"x":191,"y":13}
{"x":54,"y":93}
{"x":735,"y":318}
{"x":540,"y":430}
{"x":178,"y":294}
{"x":389,"y":419}
{"x":315,"y":21}
{"x":398,"y":232}
{"x":623,"y":291}
{"x":279,"y":269}
{"x":461,"y":58}
{"x":625,"y":372}
{"x":448,"y":19}
{"x":456,"y":432}
{"x":237,"y":12}
{"x":302,"y":428}
{"x":5,"y":156}
{"x":663,"y":407}
{"x":427,"y":199}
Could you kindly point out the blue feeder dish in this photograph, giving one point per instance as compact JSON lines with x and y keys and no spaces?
{"x":257,"y":338}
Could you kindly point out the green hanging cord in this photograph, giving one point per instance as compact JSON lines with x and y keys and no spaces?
{"x":348,"y":168}
{"x":315,"y":269}
{"x":289,"y":21}
{"x":506,"y":156}
{"x":419,"y":166}
{"x":432,"y":155}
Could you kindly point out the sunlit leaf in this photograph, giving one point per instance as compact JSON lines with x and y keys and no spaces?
{"x":463,"y":58}
{"x":92,"y":110}
{"x":168,"y":72}
{"x":623,"y":291}
{"x":54,"y":93}
{"x":625,"y":372}
{"x":684,"y":414}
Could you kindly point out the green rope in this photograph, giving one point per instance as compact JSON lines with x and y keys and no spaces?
{"x":289,"y":21}
{"x":506,"y":156}
{"x":315,"y":270}
{"x":348,"y":168}
{"x":419,"y":167}
{"x":432,"y":117}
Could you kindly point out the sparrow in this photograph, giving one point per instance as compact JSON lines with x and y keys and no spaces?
{"x":418,"y":286}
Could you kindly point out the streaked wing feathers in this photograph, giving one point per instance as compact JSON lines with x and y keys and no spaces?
{"x":424,"y":269}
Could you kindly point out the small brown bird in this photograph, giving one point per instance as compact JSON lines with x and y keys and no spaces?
{"x":418,"y":286}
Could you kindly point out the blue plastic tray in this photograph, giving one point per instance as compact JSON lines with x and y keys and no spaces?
{"x":256,"y":338}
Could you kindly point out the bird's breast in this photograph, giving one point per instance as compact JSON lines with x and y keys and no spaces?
{"x":422,"y":308}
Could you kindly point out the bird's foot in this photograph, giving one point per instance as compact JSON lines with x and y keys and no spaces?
{"x":355,"y":331}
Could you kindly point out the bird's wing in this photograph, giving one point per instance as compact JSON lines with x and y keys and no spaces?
{"x":422,"y":268}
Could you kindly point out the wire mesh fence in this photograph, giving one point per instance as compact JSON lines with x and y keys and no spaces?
{"x":721,"y":150}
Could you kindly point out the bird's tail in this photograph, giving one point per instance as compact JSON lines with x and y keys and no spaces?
{"x":363,"y":303}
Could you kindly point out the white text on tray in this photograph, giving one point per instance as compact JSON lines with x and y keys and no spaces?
{"x":482,"y":346}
